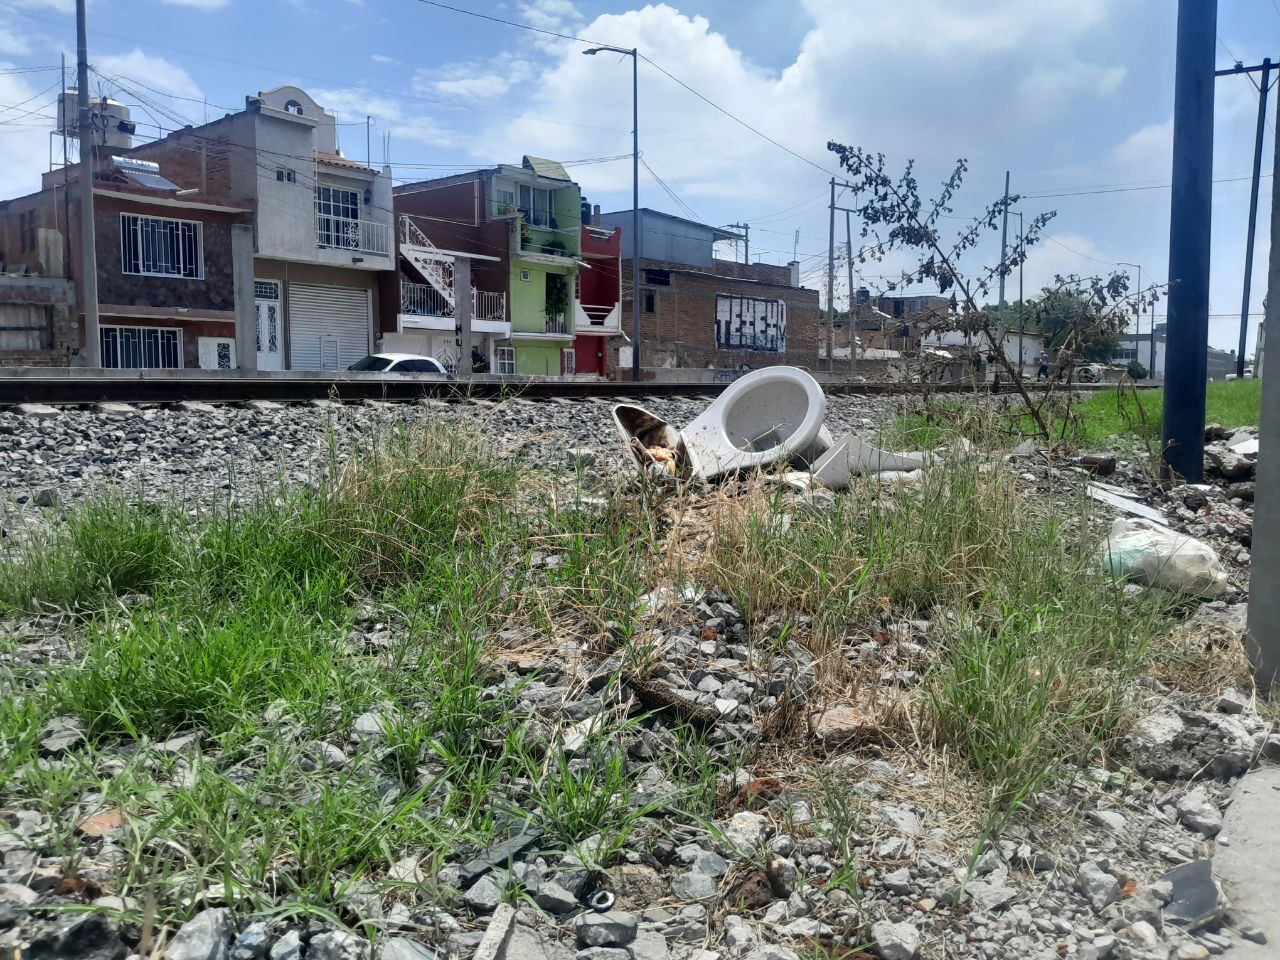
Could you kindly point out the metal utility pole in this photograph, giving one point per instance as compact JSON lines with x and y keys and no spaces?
{"x":1264,"y":604}
{"x":636,"y":238}
{"x":1004,"y":247}
{"x":1191,"y":206}
{"x":1022,"y":307}
{"x":853,"y":327}
{"x":746,"y":239}
{"x":88,"y":252}
{"x":831,"y":279}
{"x":462,"y":311}
{"x":1137,"y":332}
{"x":1253,"y":212}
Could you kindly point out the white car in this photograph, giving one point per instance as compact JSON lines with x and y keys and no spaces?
{"x":398,"y":363}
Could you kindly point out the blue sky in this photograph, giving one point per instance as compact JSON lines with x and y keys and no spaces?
{"x":1072,"y":96}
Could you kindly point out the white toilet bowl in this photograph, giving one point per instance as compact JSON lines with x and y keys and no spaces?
{"x":759,"y":418}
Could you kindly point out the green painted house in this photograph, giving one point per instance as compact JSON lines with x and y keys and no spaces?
{"x":529,"y":219}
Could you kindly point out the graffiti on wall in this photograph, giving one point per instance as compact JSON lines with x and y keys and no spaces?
{"x":750,"y":323}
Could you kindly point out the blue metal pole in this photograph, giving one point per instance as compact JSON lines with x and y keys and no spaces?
{"x":1189,"y":222}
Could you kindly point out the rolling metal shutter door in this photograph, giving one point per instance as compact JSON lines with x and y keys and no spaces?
{"x":328,"y":326}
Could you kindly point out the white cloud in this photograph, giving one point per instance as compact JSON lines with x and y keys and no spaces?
{"x":382,"y":58}
{"x":24,"y":140}
{"x":404,"y":121}
{"x":482,"y":86}
{"x":1046,"y":89}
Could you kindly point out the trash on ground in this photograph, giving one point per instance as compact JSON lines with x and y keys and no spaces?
{"x":1153,"y":554}
{"x":853,"y":456}
{"x":1124,"y":500}
{"x":1100,"y":465}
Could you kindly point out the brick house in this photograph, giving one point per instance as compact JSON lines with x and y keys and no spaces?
{"x":322,"y":225}
{"x":313,"y":227}
{"x":164,"y":268}
{"x":697,"y":310}
{"x":522,"y":228}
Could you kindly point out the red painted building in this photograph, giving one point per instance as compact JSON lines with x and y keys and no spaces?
{"x":598,"y":305}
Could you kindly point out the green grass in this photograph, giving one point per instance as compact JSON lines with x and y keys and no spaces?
{"x":239,"y":620}
{"x":1092,"y":422}
{"x":1035,"y":646}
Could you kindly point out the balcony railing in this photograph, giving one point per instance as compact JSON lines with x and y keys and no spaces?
{"x":596,"y":316}
{"x":424,"y":300}
{"x":555,"y":323}
{"x":361,"y":236}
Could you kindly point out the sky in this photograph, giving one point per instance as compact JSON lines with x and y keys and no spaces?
{"x":1073,"y":97}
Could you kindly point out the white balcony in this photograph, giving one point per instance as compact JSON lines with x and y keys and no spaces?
{"x":423,"y":307}
{"x":358,"y":236}
{"x":556,"y":323}
{"x":604,"y":319}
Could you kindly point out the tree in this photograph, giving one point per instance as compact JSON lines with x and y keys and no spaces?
{"x":1075,"y":323}
{"x":897,"y":218}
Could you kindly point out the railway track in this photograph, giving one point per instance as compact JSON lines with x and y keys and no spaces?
{"x":77,"y":388}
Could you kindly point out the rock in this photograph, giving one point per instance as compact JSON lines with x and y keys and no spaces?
{"x":206,"y":936}
{"x":370,"y":726}
{"x":39,"y":411}
{"x":253,"y":943}
{"x":747,"y":830}
{"x":840,"y":724}
{"x":398,"y":948}
{"x":1231,"y":700}
{"x":288,"y":947}
{"x":1195,"y":900}
{"x":1099,"y":887}
{"x":1197,"y":812}
{"x":738,"y":935}
{"x":554,"y":898}
{"x":110,"y":408}
{"x":636,"y":885}
{"x":895,"y":941}
{"x":1253,"y":935}
{"x":484,"y":895}
{"x":1191,"y":951}
{"x":613,"y":928}
{"x":710,"y":863}
{"x":526,"y":943}
{"x":61,"y":734}
{"x":899,"y":881}
{"x":337,"y":945}
{"x":694,"y":886}
{"x":604,"y":953}
{"x":46,"y":499}
{"x":649,"y":945}
{"x":903,"y":819}
{"x":987,"y":895}
{"x":88,"y":937}
{"x":1229,"y":464}
{"x":1107,"y":819}
{"x":1141,"y":934}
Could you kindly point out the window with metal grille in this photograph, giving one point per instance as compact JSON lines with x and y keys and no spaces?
{"x":568,"y":362}
{"x":505,"y":358}
{"x":286,"y":175}
{"x":266,"y":289}
{"x":161,"y":247}
{"x":649,"y":301}
{"x":337,"y":217}
{"x":141,"y":347}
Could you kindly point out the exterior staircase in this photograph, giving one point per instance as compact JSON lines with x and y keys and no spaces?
{"x":434,"y":266}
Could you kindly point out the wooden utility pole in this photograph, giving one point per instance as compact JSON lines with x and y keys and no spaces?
{"x":88,"y":251}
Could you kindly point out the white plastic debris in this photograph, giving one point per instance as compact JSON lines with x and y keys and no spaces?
{"x":852,"y":456}
{"x":1149,"y":553}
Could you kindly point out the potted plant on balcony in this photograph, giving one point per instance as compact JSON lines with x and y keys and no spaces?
{"x":557,"y":299}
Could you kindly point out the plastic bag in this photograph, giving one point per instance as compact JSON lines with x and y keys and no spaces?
{"x":1149,"y":553}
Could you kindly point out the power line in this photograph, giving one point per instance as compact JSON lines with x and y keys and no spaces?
{"x":736,"y":119}
{"x":510,"y":23}
{"x":1083,"y":193}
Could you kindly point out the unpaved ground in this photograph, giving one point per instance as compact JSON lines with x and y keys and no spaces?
{"x":828,"y":840}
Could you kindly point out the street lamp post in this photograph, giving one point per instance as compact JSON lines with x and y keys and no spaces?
{"x":635,"y":200}
{"x":1022,"y":307}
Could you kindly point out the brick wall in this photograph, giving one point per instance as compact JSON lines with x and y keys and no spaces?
{"x":682,"y":326}
{"x":39,"y":311}
{"x":215,"y":292}
{"x":203,"y":161}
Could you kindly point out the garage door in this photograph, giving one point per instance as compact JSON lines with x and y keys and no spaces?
{"x":328,"y":326}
